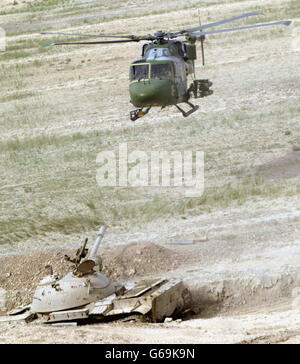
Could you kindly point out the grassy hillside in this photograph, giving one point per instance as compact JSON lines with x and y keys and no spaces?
{"x":61,"y":106}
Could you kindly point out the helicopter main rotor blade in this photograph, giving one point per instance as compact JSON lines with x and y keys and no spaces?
{"x":214,"y":24}
{"x":96,"y":42}
{"x":92,"y":35}
{"x":199,"y":34}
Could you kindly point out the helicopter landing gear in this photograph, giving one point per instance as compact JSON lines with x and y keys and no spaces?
{"x":138,"y":113}
{"x":187,"y":113}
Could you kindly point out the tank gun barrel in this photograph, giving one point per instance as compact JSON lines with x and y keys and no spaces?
{"x":95,"y":247}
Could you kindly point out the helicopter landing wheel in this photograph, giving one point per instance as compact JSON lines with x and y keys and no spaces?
{"x":138,"y":113}
{"x":187,"y":113}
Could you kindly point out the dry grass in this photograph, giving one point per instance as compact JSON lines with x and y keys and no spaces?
{"x":60,"y":107}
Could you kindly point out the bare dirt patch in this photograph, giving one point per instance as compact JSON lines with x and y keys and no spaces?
{"x":284,"y":167}
{"x":139,"y":259}
{"x":20,"y":274}
{"x":245,"y":284}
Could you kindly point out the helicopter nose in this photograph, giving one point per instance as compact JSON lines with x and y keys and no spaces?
{"x":151,"y":93}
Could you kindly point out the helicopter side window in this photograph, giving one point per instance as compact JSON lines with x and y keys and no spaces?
{"x":161,"y":70}
{"x":139,"y":72}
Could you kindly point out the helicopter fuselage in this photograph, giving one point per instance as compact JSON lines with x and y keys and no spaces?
{"x":159,"y":78}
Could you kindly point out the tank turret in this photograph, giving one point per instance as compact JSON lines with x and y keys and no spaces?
{"x":85,"y":284}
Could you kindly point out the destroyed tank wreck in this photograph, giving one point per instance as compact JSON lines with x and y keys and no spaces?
{"x":86,"y":295}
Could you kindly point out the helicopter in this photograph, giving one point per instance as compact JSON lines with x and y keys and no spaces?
{"x":160,"y":77}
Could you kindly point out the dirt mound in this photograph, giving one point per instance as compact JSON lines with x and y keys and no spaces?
{"x":20,"y":274}
{"x":138,"y":259}
{"x":287,"y":166}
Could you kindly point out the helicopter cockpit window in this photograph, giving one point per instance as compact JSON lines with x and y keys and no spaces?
{"x":161,"y":70}
{"x":139,"y":72}
{"x":154,"y":53}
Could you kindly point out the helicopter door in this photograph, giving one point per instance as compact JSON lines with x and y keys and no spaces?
{"x":181,"y":80}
